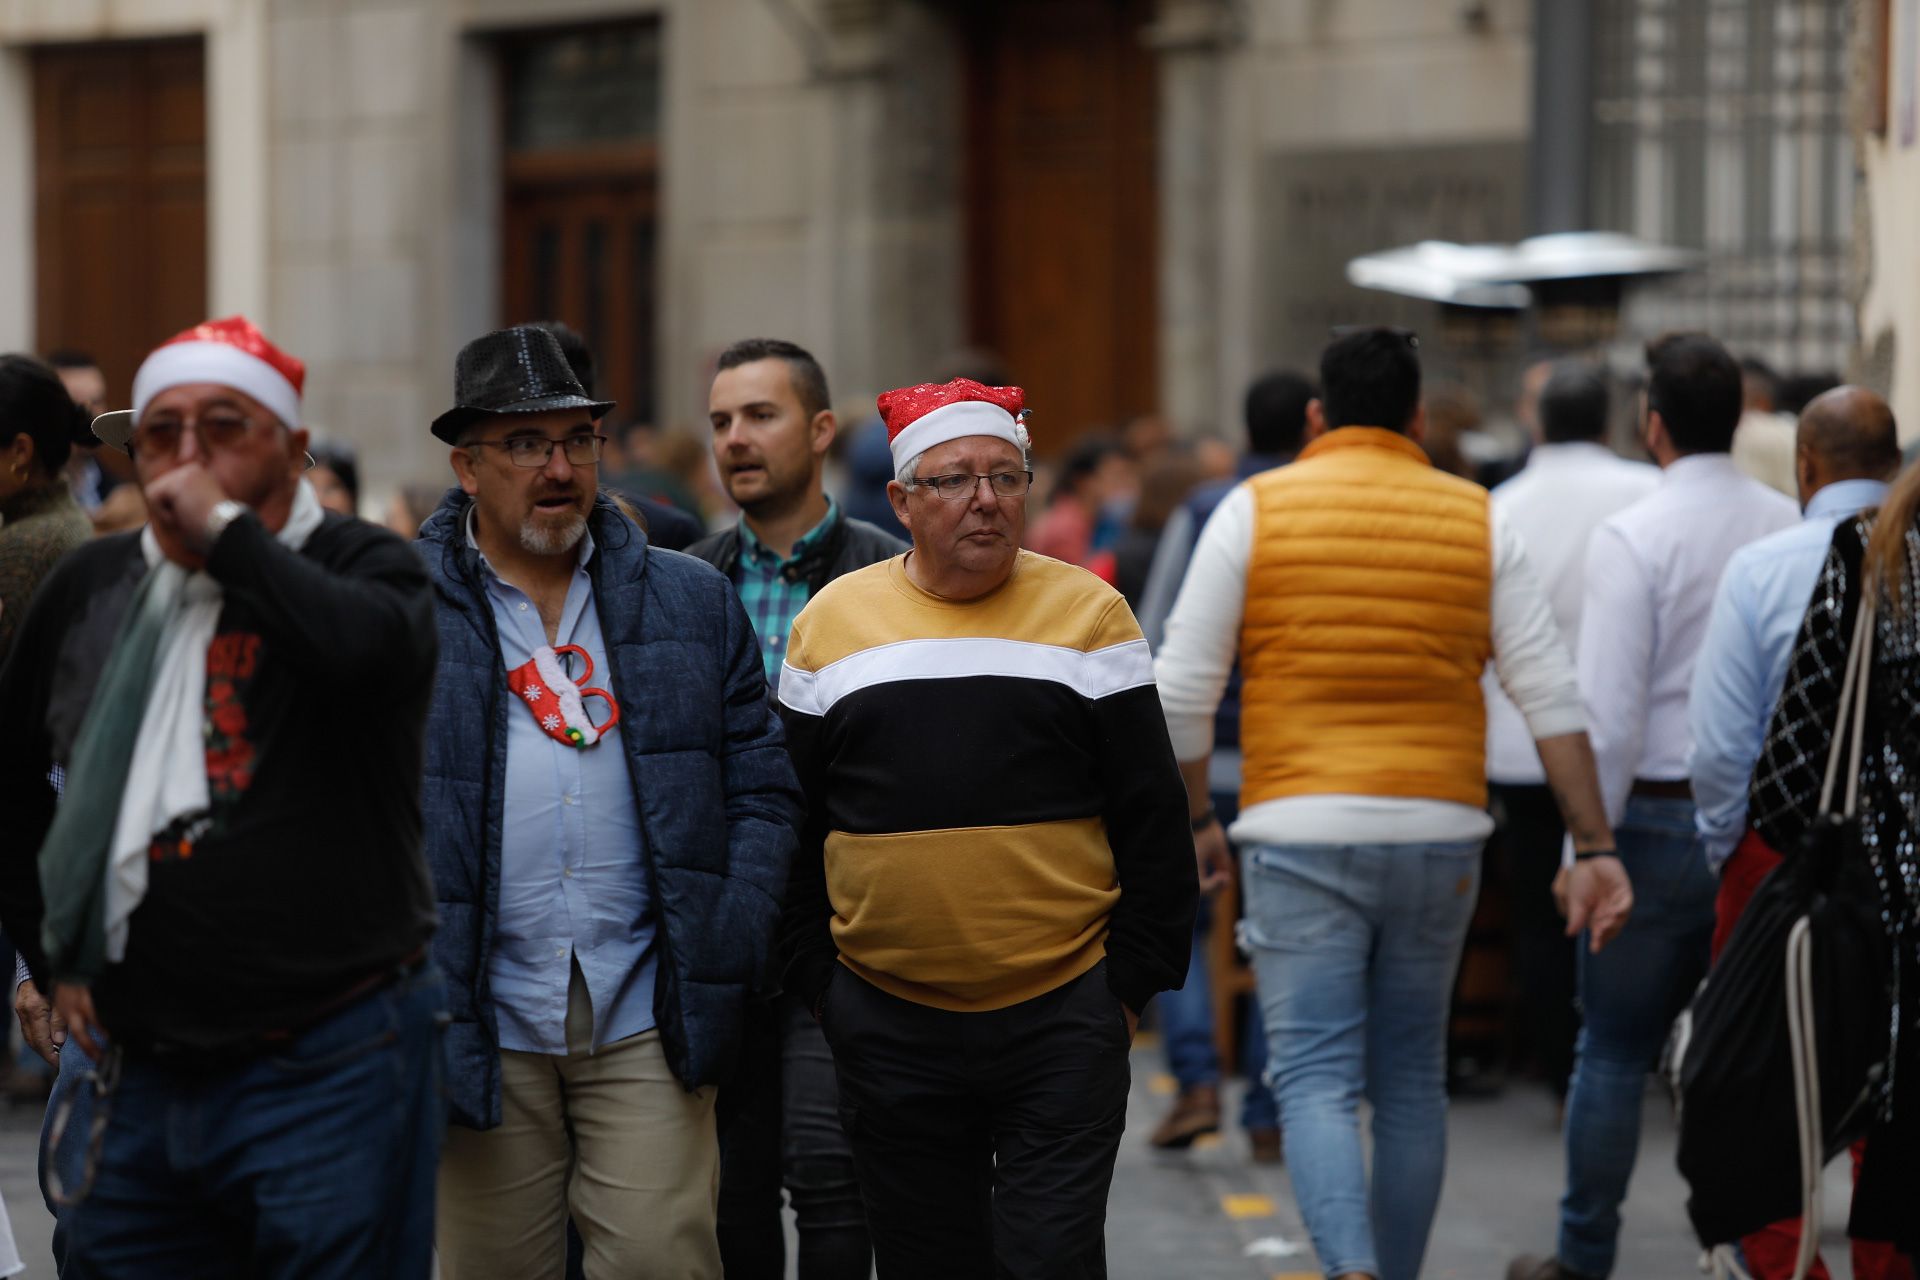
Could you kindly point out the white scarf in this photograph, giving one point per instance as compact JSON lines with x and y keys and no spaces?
{"x":168,"y":776}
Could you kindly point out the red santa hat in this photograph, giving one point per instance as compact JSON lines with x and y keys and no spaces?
{"x":921,"y":417}
{"x":232,"y":352}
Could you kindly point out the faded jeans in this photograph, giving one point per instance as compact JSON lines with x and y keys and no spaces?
{"x":1355,"y":948}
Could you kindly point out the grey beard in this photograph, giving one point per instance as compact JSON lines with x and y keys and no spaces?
{"x":550,"y":541}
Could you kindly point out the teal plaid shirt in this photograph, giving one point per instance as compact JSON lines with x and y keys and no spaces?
{"x":773,"y":591}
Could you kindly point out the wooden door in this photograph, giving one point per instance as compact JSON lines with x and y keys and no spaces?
{"x":1061,"y":193}
{"x":581,"y":115}
{"x":582,"y":251}
{"x":120,"y":199}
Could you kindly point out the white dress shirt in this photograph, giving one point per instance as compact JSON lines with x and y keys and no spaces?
{"x":1203,"y":635}
{"x":1651,"y":574}
{"x":1756,"y":617}
{"x":1552,"y":506}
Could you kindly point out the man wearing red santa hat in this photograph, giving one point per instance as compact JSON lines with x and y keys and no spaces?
{"x":996,"y":873}
{"x":241,"y":952}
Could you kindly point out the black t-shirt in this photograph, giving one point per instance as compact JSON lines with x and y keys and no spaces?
{"x":305,"y":878}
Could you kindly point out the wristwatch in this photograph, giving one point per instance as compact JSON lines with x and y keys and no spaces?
{"x":222,"y":515}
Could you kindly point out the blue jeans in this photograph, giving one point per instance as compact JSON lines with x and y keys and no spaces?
{"x":317,"y":1161}
{"x":1629,"y":995}
{"x":1355,"y":948}
{"x":72,"y":1095}
{"x":1186,"y":1022}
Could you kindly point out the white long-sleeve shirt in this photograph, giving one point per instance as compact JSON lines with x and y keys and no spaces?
{"x":1651,"y":574}
{"x":1552,"y":507}
{"x":1203,"y":633}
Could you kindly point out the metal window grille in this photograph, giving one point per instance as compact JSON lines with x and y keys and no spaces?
{"x":1721,"y":125}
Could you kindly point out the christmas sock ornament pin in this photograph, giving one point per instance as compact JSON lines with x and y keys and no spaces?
{"x":557,"y":702}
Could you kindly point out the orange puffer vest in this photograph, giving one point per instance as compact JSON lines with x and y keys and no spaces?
{"x":1368,"y":623}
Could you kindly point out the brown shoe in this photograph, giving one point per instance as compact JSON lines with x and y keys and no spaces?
{"x":1530,"y":1267}
{"x":1195,"y":1111}
{"x":1265,"y":1141}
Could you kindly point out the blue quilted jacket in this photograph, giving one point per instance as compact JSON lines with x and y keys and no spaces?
{"x":719,"y":806}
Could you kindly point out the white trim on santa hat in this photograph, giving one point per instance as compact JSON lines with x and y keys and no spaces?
{"x":952,"y":422}
{"x":179,"y":363}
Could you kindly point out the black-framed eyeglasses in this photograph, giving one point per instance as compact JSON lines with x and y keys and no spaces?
{"x":1005,"y":484}
{"x":158,"y":437}
{"x":536,"y":451}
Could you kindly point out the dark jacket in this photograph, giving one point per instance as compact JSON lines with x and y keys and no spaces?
{"x":848,"y":545}
{"x":46,"y":687}
{"x":719,"y":807}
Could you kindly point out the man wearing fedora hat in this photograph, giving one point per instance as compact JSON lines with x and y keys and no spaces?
{"x":610,"y":818}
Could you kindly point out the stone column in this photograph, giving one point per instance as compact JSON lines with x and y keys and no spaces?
{"x":1192,"y":38}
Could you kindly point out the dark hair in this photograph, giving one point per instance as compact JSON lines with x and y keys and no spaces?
{"x":1370,"y":377}
{"x":342,"y":461}
{"x":1694,"y":385}
{"x":1081,"y":462}
{"x":1573,"y":404}
{"x":34,"y":403}
{"x":71,"y":358}
{"x":1276,"y":412}
{"x":574,"y":347}
{"x":1798,"y":390}
{"x":809,"y":379}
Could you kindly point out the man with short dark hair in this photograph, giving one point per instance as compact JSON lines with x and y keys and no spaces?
{"x":610,"y":817}
{"x":994,"y":879}
{"x":1364,"y":592}
{"x":1651,"y":569}
{"x":1571,"y":482}
{"x":1275,"y":411}
{"x":1848,"y":448}
{"x":772,"y":427}
{"x":1275,"y":415}
{"x":779,"y":1119}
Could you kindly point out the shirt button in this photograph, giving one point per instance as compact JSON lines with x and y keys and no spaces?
{"x":566,"y":799}
{"x":567,"y":872}
{"x":775,"y":642}
{"x":523,"y":606}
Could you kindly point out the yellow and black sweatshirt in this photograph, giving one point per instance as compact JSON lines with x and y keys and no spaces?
{"x":993,"y":803}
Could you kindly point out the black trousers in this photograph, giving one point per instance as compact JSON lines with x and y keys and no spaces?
{"x":1528,"y":843}
{"x":984,"y":1142}
{"x":779,"y":1122}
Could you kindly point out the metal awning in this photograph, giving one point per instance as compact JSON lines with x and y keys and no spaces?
{"x":1496,"y":276}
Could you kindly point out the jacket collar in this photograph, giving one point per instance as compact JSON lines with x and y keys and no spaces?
{"x":1366,"y":438}
{"x":618,"y":565}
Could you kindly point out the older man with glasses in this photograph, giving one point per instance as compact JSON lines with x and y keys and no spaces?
{"x":610,"y":817}
{"x":996,"y":871}
{"x":267,"y":1095}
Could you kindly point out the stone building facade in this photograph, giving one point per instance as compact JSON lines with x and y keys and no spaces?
{"x":1139,"y":203}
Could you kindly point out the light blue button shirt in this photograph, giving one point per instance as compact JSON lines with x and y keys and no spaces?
{"x":574,"y":882}
{"x":1743,"y":661}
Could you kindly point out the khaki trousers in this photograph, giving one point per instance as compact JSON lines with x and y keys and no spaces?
{"x":610,"y":1137}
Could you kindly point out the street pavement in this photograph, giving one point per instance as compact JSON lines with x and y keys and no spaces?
{"x":1210,"y":1214}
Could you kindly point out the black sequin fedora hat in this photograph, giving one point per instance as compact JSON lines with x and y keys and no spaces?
{"x":517,"y":370}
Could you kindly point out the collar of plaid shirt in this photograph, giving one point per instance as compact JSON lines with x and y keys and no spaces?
{"x":771,"y":594}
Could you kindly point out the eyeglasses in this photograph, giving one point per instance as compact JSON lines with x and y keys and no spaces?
{"x":537,"y":451}
{"x":1005,"y":484}
{"x":159,"y":438}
